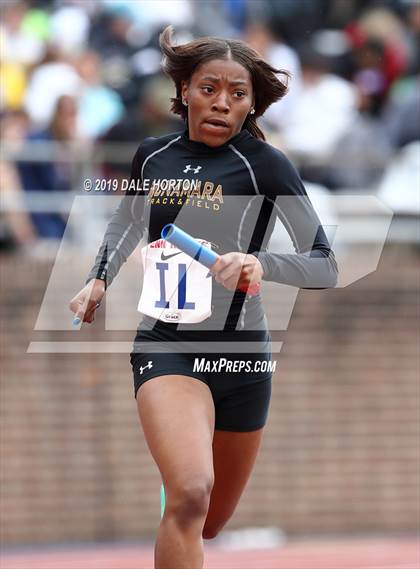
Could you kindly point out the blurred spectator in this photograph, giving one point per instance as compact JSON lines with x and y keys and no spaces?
{"x":16,"y":227}
{"x":49,"y":81}
{"x":360,"y":155}
{"x":327,"y":105}
{"x":292,"y":20}
{"x":110,"y":38}
{"x":109,"y":32}
{"x":402,"y":114}
{"x":69,"y":29}
{"x":381,"y":24}
{"x":221,"y":18}
{"x":261,"y":37}
{"x":150,"y":117}
{"x":18,"y":43}
{"x":99,"y":106}
{"x":370,"y":77}
{"x":14,"y":126}
{"x":380,"y":53}
{"x":20,"y":47}
{"x":51,"y":174}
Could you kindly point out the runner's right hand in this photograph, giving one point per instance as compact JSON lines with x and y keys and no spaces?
{"x":85,"y":303}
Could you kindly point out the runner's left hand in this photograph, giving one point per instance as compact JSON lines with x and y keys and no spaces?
{"x":237,"y":270}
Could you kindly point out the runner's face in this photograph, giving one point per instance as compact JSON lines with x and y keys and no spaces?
{"x":219,"y":96}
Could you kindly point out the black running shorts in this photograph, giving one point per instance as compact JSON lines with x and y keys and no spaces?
{"x":240,"y":383}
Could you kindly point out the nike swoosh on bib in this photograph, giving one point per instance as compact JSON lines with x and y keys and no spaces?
{"x":165,"y":257}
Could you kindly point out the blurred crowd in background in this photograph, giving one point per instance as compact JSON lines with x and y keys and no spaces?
{"x":81,"y":86}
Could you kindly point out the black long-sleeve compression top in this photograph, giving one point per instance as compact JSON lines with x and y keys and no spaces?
{"x":229,"y":195}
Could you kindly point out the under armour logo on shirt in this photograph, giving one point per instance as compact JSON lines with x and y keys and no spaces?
{"x":188,"y":168}
{"x":148,"y":366}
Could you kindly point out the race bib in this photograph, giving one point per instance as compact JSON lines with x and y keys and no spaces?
{"x":176,"y":288}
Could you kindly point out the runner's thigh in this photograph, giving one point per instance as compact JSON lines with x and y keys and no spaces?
{"x":177,"y":416}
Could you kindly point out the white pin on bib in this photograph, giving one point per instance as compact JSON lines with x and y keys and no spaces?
{"x":176,"y":288}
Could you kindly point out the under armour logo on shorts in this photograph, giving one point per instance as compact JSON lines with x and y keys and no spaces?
{"x":148,"y":366}
{"x":188,"y":168}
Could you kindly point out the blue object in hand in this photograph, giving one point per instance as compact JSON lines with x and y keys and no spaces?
{"x":77,"y":320}
{"x":197,"y":251}
{"x":189,"y":245}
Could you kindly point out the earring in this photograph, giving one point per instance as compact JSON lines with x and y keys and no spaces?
{"x":184,"y":102}
{"x":252,"y":112}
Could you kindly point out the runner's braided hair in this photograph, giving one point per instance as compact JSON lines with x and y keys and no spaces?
{"x":180,"y":61}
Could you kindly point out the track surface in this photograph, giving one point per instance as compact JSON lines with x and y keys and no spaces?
{"x":343,"y":554}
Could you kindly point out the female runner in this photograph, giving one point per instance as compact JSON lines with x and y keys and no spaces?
{"x":222,"y":183}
